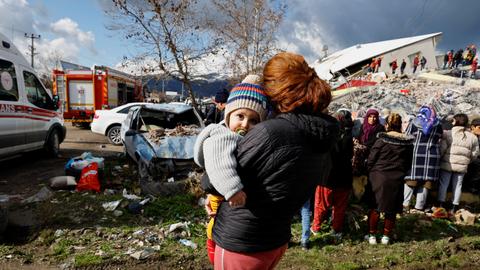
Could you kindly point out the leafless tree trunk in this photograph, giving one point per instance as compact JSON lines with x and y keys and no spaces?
{"x":248,"y":27}
{"x":170,"y":33}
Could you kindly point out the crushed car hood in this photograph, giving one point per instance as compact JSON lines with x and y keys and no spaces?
{"x":173,"y":147}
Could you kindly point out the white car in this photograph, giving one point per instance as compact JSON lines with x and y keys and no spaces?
{"x":108,"y":122}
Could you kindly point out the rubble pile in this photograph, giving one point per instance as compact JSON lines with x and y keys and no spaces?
{"x":156,"y":135}
{"x":404,"y":96}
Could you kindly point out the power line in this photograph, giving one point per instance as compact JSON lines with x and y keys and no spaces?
{"x":32,"y":47}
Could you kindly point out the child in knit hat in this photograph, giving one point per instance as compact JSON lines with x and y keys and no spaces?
{"x":216,"y":145}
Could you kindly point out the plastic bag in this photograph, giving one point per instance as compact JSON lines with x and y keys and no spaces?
{"x":89,"y":178}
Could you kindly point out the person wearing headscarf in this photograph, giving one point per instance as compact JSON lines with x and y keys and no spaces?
{"x":368,"y":135}
{"x":370,"y":128}
{"x":425,"y":169}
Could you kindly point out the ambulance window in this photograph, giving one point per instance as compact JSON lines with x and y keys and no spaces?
{"x":36,"y":94}
{"x":8,"y":81}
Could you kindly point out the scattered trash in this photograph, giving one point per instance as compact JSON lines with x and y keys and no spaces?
{"x":464,"y":217}
{"x":89,"y":178}
{"x":170,"y":180}
{"x":143,"y":254}
{"x":111,"y":206}
{"x":130,"y":196}
{"x":188,"y":243}
{"x":43,"y":194}
{"x":440,"y":212}
{"x":109,"y":192}
{"x":201,"y":202}
{"x":59,"y":233}
{"x":135,"y":208}
{"x":180,"y":226}
{"x":65,"y":182}
{"x":138,"y":233}
{"x":117,"y":213}
{"x":450,"y":226}
{"x":75,"y":165}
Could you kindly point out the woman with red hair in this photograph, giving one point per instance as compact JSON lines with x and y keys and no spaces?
{"x":281,"y":160}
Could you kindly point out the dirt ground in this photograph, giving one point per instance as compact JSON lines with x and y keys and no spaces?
{"x":23,"y":175}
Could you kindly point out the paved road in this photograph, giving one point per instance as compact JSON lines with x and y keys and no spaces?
{"x":84,"y":139}
{"x":24,"y":175}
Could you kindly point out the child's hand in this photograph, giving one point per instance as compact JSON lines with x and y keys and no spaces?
{"x":238,"y":199}
{"x":208,"y":208}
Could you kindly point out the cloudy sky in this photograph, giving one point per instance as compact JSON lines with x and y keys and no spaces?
{"x":75,"y":30}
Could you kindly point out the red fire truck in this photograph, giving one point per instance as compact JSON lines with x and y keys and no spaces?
{"x":84,"y":91}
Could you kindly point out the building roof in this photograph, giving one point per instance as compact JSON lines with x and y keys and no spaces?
{"x":361,"y":52}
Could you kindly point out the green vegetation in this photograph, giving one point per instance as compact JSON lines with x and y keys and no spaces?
{"x":87,"y":259}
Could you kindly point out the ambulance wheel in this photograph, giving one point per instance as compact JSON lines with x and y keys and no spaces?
{"x":53,"y":144}
{"x":113,"y":135}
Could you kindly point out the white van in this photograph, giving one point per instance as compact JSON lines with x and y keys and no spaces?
{"x":29,"y":116}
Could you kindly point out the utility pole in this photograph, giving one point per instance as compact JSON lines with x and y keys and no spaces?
{"x":32,"y":47}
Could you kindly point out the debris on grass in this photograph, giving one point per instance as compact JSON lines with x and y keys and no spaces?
{"x":111,"y":206}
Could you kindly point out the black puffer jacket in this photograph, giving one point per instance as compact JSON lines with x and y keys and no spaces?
{"x":341,"y":175}
{"x":281,"y":161}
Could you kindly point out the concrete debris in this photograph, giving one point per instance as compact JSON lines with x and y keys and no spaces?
{"x":59,"y":233}
{"x":143,"y":254}
{"x":111,"y":206}
{"x":405,"y":96}
{"x":130,"y":196}
{"x":464,"y":217}
{"x":42,"y":195}
{"x":156,"y":135}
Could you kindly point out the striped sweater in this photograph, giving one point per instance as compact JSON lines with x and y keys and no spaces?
{"x":214,"y":150}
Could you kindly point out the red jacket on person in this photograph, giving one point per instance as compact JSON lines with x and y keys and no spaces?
{"x":415,"y":61}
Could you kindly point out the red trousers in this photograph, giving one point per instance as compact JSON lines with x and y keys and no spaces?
{"x":389,"y":222}
{"x":266,"y":260}
{"x":325,"y":198}
{"x":211,"y":250}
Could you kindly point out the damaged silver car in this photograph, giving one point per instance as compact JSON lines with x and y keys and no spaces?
{"x":160,"y":139}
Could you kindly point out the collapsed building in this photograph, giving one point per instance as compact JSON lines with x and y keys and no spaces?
{"x":351,"y":61}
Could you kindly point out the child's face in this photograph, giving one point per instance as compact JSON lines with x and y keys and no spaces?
{"x":243,"y":119}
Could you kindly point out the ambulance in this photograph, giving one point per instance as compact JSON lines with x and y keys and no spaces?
{"x":29,"y":115}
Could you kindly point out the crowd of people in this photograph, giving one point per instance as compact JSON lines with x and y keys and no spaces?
{"x":462,"y":58}
{"x":277,"y":150}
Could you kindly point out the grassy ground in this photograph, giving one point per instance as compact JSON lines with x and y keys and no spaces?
{"x":74,"y":231}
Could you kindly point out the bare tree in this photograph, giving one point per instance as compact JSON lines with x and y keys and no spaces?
{"x":170,"y":33}
{"x":48,"y":63}
{"x":248,"y":27}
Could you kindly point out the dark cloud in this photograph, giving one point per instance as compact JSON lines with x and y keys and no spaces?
{"x":343,"y":23}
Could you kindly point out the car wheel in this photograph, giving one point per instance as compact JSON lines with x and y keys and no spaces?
{"x":52,"y":145}
{"x":113,"y":135}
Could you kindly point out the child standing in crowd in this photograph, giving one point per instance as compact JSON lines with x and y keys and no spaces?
{"x":216,"y":145}
{"x":459,"y":148}
{"x":335,"y":190}
{"x":425,"y":169}
{"x":389,"y":159}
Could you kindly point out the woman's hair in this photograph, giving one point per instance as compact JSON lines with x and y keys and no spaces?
{"x":461,"y":120}
{"x":394,"y":122}
{"x":293,"y":86}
